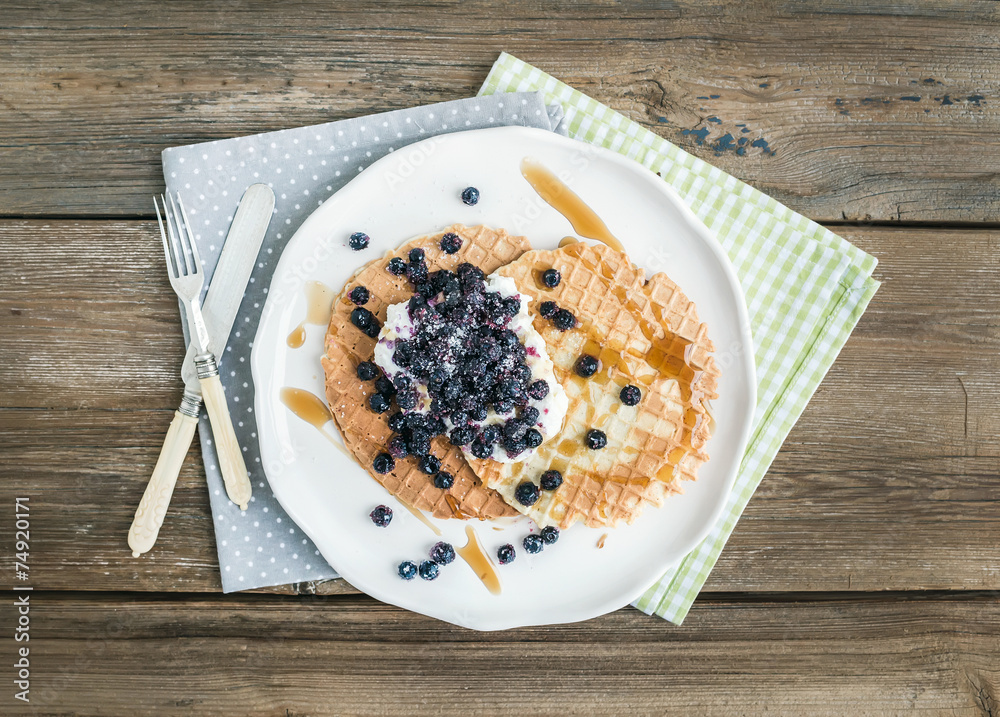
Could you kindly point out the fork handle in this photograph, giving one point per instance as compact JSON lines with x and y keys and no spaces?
{"x":231,"y":464}
{"x":153,"y":506}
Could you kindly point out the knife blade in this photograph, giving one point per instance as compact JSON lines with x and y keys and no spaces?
{"x":222,"y":303}
{"x":225,"y":293}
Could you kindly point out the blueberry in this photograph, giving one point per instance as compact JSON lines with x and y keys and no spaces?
{"x":551,"y":480}
{"x":481,"y":450}
{"x":425,"y":289}
{"x":550,"y":535}
{"x":451,"y":243}
{"x":373,"y":329}
{"x":381,"y":516}
{"x":403,"y":354}
{"x":538,"y":390}
{"x":630,"y":395}
{"x":444,"y":480}
{"x":478,"y":412}
{"x":419,"y":443}
{"x":511,"y":305}
{"x":396,"y":266}
{"x":462,"y":436}
{"x":397,"y":448}
{"x":407,"y":570}
{"x":416,"y":255}
{"x":359,"y":240}
{"x":396,"y":422}
{"x":529,"y":415}
{"x":523,"y":373}
{"x":514,"y":446}
{"x":470,"y":196}
{"x":429,"y":570}
{"x":490,"y":434}
{"x":505,"y":554}
{"x":526,"y":493}
{"x":586,"y":366}
{"x":367,"y":370}
{"x":564,"y":320}
{"x":362,"y":318}
{"x":384,"y":386}
{"x":533,"y":544}
{"x":513,"y":428}
{"x":548,"y":309}
{"x":407,"y":399}
{"x":416,"y":272}
{"x":596,"y":439}
{"x":400,"y":382}
{"x":442,"y":553}
{"x":504,"y":405}
{"x":533,"y":438}
{"x":430,"y":464}
{"x":360,"y":295}
{"x":551,"y":278}
{"x":379,"y":403}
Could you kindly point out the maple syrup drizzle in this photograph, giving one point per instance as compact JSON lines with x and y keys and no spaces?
{"x":480,"y":563}
{"x":600,"y":541}
{"x":419,"y":515}
{"x":311,"y":409}
{"x":565,"y":201}
{"x":319,"y":300}
{"x":566,"y":241}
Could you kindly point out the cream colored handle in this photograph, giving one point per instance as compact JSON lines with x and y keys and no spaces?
{"x":234,"y":469}
{"x":153,"y":506}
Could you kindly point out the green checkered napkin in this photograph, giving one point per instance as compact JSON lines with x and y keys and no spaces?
{"x":805,"y":288}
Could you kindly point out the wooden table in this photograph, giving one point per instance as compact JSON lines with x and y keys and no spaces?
{"x":863,"y":577}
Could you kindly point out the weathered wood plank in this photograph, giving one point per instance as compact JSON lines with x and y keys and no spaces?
{"x":351,"y":655}
{"x":851,"y":111}
{"x":887,"y":482}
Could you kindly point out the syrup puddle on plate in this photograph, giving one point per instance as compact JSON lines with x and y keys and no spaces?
{"x":314,"y":411}
{"x":565,"y":201}
{"x":480,"y":563}
{"x":311,"y":409}
{"x":319,"y":301}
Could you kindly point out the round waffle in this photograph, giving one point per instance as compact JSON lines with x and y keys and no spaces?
{"x":366,"y":433}
{"x":644,"y":333}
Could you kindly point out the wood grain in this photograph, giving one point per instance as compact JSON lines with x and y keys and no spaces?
{"x":888,"y":482}
{"x":351,"y":655}
{"x":859,"y":111}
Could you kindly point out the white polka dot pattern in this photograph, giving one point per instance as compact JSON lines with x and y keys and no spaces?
{"x":304,"y":167}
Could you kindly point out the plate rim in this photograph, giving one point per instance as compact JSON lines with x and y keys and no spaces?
{"x":747,"y":365}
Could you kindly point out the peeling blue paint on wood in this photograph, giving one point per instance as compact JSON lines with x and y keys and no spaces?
{"x":714,"y":120}
{"x":946,"y":100}
{"x":723,"y":143}
{"x":762,"y":143}
{"x":911,"y":98}
{"x":663,"y":120}
{"x":700,"y":135}
{"x":714,"y":97}
{"x":764,"y":84}
{"x":976,"y":100}
{"x":703,"y":97}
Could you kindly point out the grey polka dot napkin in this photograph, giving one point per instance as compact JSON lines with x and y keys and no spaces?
{"x":262,"y":546}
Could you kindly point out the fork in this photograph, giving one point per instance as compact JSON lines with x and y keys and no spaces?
{"x":187,"y":278}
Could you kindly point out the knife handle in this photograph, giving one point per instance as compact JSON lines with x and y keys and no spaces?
{"x":153,"y":506}
{"x":231,"y":464}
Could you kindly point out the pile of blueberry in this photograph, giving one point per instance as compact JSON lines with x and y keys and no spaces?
{"x":441,"y":554}
{"x":469,"y":360}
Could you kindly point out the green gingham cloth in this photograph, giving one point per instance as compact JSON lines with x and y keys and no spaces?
{"x":805,"y":288}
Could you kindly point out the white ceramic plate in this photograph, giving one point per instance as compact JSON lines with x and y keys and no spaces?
{"x":416,"y":191}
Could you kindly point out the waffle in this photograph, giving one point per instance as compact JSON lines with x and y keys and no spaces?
{"x":644,"y":333}
{"x":366,"y":433}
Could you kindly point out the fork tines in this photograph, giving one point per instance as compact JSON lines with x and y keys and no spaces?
{"x":178,"y":243}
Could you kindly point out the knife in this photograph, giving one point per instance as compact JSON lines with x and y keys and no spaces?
{"x":222,"y":302}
